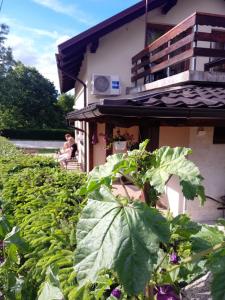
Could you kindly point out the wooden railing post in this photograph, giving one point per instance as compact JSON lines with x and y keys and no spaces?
{"x":194,"y":45}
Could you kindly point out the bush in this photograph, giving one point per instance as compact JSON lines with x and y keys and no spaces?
{"x":7,"y":149}
{"x":41,"y":199}
{"x":36,"y":134}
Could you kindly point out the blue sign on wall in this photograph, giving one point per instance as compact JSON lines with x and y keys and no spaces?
{"x":115,"y":84}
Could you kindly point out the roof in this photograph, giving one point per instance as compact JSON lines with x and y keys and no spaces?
{"x":71,"y":52}
{"x":187,"y":102}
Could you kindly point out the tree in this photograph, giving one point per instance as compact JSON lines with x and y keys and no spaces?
{"x":66,"y":103}
{"x":31,"y":98}
{"x":6,"y":58}
{"x":27,"y":99}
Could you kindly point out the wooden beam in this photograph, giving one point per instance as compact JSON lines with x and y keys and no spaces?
{"x":150,"y":132}
{"x":92,"y":130}
{"x":94,"y":46}
{"x":170,"y":4}
{"x":207,"y":52}
{"x":109,"y":135}
{"x":174,"y":60}
{"x":173,"y":47}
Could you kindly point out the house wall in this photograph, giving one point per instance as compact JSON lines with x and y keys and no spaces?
{"x":174,"y":137}
{"x":184,"y":8}
{"x":79,"y":88}
{"x":113,"y":57}
{"x":210,"y":158}
{"x":99,"y":150}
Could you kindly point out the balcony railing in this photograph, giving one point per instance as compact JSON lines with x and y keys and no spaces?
{"x":199,"y":35}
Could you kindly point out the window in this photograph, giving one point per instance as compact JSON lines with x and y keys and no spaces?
{"x":219,"y":135}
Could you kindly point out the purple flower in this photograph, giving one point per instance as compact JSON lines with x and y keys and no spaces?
{"x":116,"y":293}
{"x":174,"y":258}
{"x":166,"y":292}
{"x":1,"y":244}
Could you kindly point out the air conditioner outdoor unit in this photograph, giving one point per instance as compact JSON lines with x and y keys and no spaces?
{"x":105,"y":85}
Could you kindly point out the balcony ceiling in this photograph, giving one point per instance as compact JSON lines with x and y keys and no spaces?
{"x":71,"y":52}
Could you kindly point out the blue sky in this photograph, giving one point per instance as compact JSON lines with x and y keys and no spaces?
{"x":38,"y":26}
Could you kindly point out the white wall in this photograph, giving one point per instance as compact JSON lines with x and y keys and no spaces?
{"x":173,"y":197}
{"x":210,"y":159}
{"x":184,"y":9}
{"x":113,"y":57}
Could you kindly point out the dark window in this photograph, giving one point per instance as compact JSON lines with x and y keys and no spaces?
{"x":219,"y":135}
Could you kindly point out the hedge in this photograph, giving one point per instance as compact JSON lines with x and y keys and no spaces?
{"x":36,"y":134}
{"x":39,"y":199}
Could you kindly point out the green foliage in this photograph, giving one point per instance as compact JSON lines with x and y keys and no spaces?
{"x":154,"y":169}
{"x":7,"y":149}
{"x":134,"y":240}
{"x":27,"y":99}
{"x":217,"y":267}
{"x":6,"y":59}
{"x":43,"y":202}
{"x":33,"y":98}
{"x":35,"y":134}
{"x":102,"y":246}
{"x":66,"y":103}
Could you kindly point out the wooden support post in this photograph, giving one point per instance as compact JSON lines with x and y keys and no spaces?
{"x":92,"y":131}
{"x":109,"y":136}
{"x":150,"y":132}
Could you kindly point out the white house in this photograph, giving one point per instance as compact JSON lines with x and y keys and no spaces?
{"x":170,"y":89}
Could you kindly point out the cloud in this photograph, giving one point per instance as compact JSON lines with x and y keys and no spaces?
{"x":25,"y":50}
{"x":36,"y":31}
{"x":69,"y":10}
{"x":35,"y":47}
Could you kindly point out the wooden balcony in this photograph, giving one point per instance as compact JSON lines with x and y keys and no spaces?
{"x":197,"y":43}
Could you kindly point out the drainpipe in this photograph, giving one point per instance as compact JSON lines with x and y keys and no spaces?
{"x":146,"y":22}
{"x":85,"y":105}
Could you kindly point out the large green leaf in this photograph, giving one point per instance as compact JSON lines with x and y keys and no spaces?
{"x":50,"y":292}
{"x":50,"y":289}
{"x":105,"y":174}
{"x":123,"y":237}
{"x":218,"y":286}
{"x":168,"y":161}
{"x":206,"y":238}
{"x":13,"y":237}
{"x":4,"y":227}
{"x":216,"y":264}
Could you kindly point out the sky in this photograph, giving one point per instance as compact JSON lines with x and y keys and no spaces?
{"x":38,"y":26}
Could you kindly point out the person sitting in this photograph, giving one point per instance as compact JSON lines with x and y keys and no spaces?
{"x":68,"y":151}
{"x":71,"y":141}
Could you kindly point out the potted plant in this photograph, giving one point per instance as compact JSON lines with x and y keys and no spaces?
{"x":120,"y":141}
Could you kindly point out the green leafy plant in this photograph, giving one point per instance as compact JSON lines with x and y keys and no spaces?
{"x":42,"y":200}
{"x":149,"y":253}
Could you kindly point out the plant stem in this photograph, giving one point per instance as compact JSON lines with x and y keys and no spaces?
{"x":159,"y":265}
{"x":129,"y":178}
{"x":150,"y":292}
{"x":198,"y":255}
{"x":125,"y":189}
{"x":147,"y":198}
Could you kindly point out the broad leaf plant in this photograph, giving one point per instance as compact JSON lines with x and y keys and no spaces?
{"x":149,"y":255}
